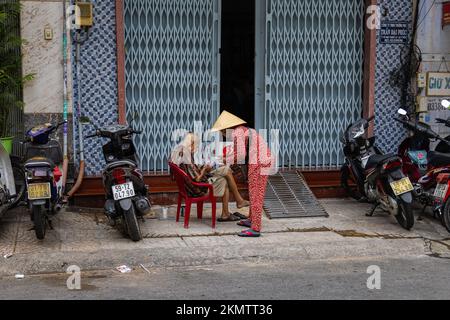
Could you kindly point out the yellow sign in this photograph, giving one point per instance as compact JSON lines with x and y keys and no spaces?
{"x":438,"y":84}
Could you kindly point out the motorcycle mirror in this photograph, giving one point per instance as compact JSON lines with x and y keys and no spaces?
{"x":446,"y":104}
{"x":85,"y":120}
{"x":402,"y":112}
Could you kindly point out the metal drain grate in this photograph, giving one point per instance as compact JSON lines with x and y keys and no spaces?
{"x":288,"y":196}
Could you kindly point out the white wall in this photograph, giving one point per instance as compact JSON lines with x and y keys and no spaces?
{"x":43,"y":57}
{"x":435,"y":44}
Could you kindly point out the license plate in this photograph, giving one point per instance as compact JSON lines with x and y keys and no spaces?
{"x":402,"y":186}
{"x":38,"y":191}
{"x":441,"y":191}
{"x":123,"y":191}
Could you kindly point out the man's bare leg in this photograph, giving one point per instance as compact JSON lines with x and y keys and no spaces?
{"x":240,"y":202}
{"x":225,"y":201}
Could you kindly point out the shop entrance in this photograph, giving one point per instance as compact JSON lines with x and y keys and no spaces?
{"x":238,"y":59}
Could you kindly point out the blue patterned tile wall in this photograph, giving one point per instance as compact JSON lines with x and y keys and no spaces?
{"x":387,"y":94}
{"x":98,"y":82}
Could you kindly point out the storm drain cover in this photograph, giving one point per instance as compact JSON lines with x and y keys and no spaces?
{"x":288,"y":196}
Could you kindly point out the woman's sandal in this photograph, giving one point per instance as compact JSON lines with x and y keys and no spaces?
{"x":245,"y":223}
{"x":249,"y":234}
{"x":231,"y":218}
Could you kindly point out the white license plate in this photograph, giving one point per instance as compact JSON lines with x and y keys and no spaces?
{"x":441,"y":191}
{"x":123,"y":191}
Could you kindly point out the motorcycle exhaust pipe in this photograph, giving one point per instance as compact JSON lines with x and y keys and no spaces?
{"x":143,"y":206}
{"x":418,"y":191}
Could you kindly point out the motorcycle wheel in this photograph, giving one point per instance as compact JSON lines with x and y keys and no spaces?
{"x":346,"y":177}
{"x":445,"y":218}
{"x":19,"y":177}
{"x":405,"y":215}
{"x":132,"y":225}
{"x":40,"y":223}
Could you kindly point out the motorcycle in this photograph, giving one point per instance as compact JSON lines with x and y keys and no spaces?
{"x":378,"y":177}
{"x":123,"y":181}
{"x":422,"y":165}
{"x":444,"y":147}
{"x":442,"y":191}
{"x":42,"y":159}
{"x":7,"y":185}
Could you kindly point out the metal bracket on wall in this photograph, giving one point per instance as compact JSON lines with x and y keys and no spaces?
{"x":435,"y":57}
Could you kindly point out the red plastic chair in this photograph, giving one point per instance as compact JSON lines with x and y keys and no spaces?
{"x":180,"y":177}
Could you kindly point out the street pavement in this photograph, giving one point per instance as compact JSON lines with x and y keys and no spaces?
{"x":307,"y":258}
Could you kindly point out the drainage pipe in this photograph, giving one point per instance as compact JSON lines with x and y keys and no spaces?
{"x":65,"y":103}
{"x":79,"y":41}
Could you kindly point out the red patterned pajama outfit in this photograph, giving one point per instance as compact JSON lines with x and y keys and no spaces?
{"x":257,"y":178}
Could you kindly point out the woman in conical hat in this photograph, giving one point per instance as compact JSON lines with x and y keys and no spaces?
{"x":251,"y":149}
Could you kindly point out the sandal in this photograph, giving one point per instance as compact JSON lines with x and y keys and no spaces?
{"x":245,"y":223}
{"x":249,"y":234}
{"x":240,"y":216}
{"x":231,"y":218}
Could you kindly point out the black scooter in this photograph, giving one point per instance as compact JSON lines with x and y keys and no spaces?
{"x":379,"y":178}
{"x":42,"y":175}
{"x":126,"y":192}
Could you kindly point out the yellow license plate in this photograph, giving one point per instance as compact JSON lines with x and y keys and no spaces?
{"x":402,"y":186}
{"x":39,"y":191}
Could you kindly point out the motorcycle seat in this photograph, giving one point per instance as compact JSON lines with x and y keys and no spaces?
{"x":39,"y":162}
{"x":121,"y":163}
{"x":438,"y":159}
{"x":378,"y":159}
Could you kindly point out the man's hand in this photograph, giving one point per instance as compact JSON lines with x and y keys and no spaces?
{"x":206,"y":169}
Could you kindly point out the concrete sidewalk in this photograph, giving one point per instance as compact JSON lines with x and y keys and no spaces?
{"x":84,"y":238}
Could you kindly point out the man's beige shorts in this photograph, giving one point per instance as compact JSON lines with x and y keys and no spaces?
{"x":219,"y":181}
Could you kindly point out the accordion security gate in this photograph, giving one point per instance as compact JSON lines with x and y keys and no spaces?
{"x":313,"y":74}
{"x":172,"y":71}
{"x":314,"y":77}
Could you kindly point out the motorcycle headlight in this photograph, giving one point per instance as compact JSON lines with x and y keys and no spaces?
{"x":358,"y":133}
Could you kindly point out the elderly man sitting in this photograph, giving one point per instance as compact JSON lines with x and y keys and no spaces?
{"x":221,"y":178}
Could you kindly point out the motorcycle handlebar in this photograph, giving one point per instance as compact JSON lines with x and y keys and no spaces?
{"x":443,"y":121}
{"x":96,"y":134}
{"x":27,"y":140}
{"x":61,"y":123}
{"x":99,"y":133}
{"x":402,"y":121}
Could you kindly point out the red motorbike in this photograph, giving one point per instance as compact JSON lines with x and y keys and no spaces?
{"x":428,"y":170}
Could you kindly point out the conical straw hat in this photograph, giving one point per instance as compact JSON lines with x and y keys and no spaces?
{"x":226,"y":121}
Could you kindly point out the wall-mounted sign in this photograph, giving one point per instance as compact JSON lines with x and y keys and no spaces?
{"x":438,"y":84}
{"x":445,"y":14}
{"x":394,"y":32}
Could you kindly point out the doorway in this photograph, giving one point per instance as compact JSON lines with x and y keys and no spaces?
{"x":237,"y":85}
